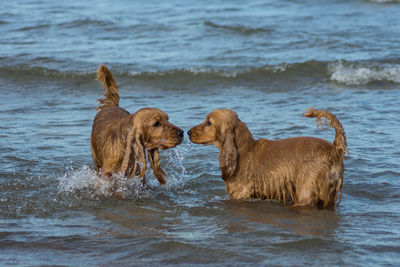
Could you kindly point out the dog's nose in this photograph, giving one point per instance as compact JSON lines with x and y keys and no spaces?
{"x":179,"y":133}
{"x":189,"y":132}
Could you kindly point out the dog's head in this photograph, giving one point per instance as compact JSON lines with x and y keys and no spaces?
{"x":155,"y":130}
{"x":219,"y":129}
{"x":149,"y":131}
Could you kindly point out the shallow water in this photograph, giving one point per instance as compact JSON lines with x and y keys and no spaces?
{"x":267,"y":60}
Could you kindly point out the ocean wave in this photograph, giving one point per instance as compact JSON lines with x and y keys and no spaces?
{"x":238,"y":28}
{"x":385,"y":1}
{"x":33,"y":67}
{"x":352,"y":73}
{"x":20,"y":70}
{"x":241,"y":72}
{"x":284,"y":74}
{"x":85,"y":22}
{"x":34,"y":27}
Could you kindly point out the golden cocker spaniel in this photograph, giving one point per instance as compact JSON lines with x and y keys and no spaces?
{"x":303,"y":171}
{"x":120,"y":141}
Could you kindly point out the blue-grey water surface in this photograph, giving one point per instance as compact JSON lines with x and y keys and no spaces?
{"x":267,"y":60}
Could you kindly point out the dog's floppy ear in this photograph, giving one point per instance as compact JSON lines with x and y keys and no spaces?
{"x":228,"y":156}
{"x":134,"y":162}
{"x":154,"y":158}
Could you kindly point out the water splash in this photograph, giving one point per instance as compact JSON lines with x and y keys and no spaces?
{"x":177,"y":174}
{"x":87,"y":181}
{"x":84,"y":177}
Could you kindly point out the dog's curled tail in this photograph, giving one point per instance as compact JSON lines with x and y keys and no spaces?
{"x":105,"y":77}
{"x":325,"y":117}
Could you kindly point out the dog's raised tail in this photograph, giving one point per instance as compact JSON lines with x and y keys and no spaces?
{"x":111,"y":95}
{"x":325,"y":117}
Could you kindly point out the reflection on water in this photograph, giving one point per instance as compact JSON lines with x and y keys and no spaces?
{"x":300,"y":221}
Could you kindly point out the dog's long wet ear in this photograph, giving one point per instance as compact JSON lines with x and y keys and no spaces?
{"x":140,"y":160}
{"x":126,"y":166}
{"x":228,"y":156}
{"x":154,"y":158}
{"x":134,"y":162}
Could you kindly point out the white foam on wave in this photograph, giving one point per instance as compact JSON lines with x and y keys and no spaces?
{"x":385,"y":1}
{"x":358,"y":74}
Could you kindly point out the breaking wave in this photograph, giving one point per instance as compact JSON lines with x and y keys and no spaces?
{"x":360,"y":74}
{"x":340,"y":71}
{"x":385,"y":1}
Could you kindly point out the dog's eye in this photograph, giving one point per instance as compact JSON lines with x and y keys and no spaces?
{"x":208,"y":123}
{"x":157,"y":124}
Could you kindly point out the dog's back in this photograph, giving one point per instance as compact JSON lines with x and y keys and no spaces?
{"x":311,"y":169}
{"x":107,"y":115}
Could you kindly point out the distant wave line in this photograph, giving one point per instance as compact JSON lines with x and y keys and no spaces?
{"x":238,"y":28}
